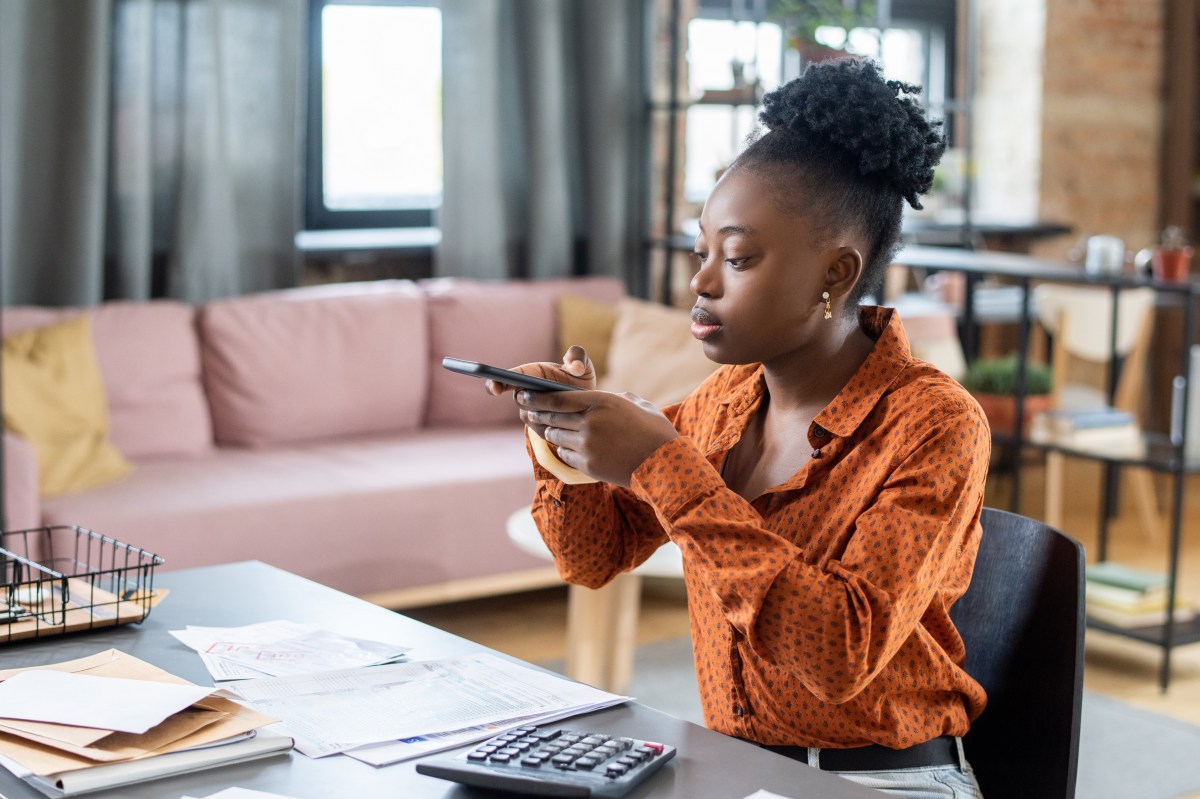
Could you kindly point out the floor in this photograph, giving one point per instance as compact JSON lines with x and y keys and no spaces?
{"x":532,"y":625}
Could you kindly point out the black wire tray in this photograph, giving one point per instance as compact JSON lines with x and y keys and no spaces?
{"x":64,"y":578}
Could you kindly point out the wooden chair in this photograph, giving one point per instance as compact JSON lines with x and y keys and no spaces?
{"x":1080,"y":321}
{"x":1022,"y":621}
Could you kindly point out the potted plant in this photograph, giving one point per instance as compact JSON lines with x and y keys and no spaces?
{"x":993,"y":383}
{"x":801,"y":19}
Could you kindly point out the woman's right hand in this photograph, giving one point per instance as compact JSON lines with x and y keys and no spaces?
{"x":575,"y":370}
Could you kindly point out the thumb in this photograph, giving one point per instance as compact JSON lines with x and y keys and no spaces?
{"x":576,"y":361}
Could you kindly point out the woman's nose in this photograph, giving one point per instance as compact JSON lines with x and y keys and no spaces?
{"x":703,"y":283}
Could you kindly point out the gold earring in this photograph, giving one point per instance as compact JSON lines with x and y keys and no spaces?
{"x":828,"y":310}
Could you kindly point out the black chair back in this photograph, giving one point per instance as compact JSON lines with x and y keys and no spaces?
{"x":1022,"y":620}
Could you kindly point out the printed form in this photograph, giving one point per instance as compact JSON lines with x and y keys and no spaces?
{"x":336,"y":711}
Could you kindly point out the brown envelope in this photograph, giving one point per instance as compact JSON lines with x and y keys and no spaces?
{"x":42,"y":759}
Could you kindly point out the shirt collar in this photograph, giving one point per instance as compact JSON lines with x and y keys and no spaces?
{"x":887,"y":359}
{"x":890,"y":355}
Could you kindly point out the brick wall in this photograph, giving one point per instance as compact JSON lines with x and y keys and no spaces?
{"x":1102,"y":119}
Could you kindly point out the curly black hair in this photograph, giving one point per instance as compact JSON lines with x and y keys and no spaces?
{"x":858,"y":144}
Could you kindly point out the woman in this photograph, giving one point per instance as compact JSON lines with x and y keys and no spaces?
{"x":823,"y":486}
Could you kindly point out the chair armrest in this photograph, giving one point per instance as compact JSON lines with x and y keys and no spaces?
{"x":22,"y":502}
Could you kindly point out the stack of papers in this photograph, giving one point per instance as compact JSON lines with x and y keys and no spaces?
{"x":386,"y":714}
{"x":281,"y":648}
{"x":111,"y":719}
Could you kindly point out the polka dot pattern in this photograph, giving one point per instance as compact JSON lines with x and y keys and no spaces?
{"x":820,"y":610}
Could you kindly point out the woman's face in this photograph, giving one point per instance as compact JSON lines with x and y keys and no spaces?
{"x":761,"y":274}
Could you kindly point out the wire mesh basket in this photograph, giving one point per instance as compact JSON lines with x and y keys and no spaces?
{"x":64,"y":578}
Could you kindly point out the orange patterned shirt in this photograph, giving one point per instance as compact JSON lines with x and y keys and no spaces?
{"x":820,"y":611}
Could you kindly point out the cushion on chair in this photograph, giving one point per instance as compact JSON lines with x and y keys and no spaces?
{"x":316,"y":362}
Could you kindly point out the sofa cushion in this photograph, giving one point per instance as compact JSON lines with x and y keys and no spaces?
{"x":653,"y":354}
{"x":587,"y":323}
{"x":150,"y":364}
{"x":501,"y":323}
{"x":361,"y":515}
{"x":316,"y":362}
{"x":54,"y":399}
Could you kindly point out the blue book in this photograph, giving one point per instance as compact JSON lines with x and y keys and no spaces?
{"x":1116,"y":574}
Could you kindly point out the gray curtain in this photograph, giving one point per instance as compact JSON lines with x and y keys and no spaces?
{"x":544,"y":121}
{"x":149,"y":148}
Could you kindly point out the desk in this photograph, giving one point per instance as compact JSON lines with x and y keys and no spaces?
{"x":244,"y":593}
{"x":601,"y":622}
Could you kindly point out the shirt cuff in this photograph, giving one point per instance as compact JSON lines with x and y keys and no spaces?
{"x":674,"y":476}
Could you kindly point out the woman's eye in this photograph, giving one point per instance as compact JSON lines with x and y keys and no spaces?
{"x":736,"y":263}
{"x":700,"y":256}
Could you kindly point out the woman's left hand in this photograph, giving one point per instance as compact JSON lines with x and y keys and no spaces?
{"x":604,"y":435}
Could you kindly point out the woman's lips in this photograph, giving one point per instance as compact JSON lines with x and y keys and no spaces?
{"x":704,"y":324}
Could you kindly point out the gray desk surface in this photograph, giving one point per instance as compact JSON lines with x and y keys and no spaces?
{"x":708,"y":764}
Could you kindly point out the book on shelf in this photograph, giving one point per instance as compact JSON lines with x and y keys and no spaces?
{"x":1070,"y":420}
{"x":1146,"y":618}
{"x":1111,"y":573}
{"x":1120,"y":440}
{"x":1117,"y":598}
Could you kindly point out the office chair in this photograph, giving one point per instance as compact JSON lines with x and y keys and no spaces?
{"x":1022,"y":621}
{"x":1080,"y":319}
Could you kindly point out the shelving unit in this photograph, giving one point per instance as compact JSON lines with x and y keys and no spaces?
{"x":667,"y":107}
{"x":1163,"y":453}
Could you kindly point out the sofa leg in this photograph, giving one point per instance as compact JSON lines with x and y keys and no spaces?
{"x":602,"y":633}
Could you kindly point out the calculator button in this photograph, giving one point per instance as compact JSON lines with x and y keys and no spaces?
{"x":562,"y":761}
{"x":529,"y":739}
{"x":616,"y":770}
{"x":587,"y":762}
{"x":595,"y":740}
{"x":533,"y":760}
{"x":653,"y":748}
{"x":477,"y":755}
{"x":628,"y":761}
{"x":500,"y":757}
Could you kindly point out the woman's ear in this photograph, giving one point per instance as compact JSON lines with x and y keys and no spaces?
{"x":844,"y":271}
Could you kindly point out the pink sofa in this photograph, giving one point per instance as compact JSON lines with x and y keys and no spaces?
{"x":314,"y":429}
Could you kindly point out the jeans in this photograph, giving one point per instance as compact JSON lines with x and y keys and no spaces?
{"x":932,"y":782}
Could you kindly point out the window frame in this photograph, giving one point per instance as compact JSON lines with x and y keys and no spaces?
{"x":317,"y":216}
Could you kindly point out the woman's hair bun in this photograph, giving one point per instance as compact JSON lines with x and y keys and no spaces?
{"x":848,"y":106}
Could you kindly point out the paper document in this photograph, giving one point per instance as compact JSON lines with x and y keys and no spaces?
{"x":336,"y":711}
{"x":106,"y":703}
{"x":280,"y":648}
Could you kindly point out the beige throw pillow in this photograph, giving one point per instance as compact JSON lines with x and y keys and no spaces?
{"x":653,"y":354}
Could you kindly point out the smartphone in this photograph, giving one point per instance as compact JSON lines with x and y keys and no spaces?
{"x":505,"y":376}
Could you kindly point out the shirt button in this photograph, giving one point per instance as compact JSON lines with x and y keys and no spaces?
{"x":557,"y":502}
{"x":739,"y":711}
{"x":820,"y":432}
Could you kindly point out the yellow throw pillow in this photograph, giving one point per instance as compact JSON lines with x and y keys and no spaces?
{"x":653,"y":353}
{"x":588,"y":323}
{"x":54,"y":399}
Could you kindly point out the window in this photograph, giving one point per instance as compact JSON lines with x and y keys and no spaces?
{"x":731,"y":44}
{"x":374,"y":153}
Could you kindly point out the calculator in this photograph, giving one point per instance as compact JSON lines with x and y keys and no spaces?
{"x":548,"y":761}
